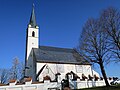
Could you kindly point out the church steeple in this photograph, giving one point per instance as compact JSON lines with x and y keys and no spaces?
{"x":32,"y":41}
{"x":32,"y":21}
{"x":32,"y":38}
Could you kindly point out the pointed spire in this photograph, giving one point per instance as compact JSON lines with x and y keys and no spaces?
{"x":33,"y":18}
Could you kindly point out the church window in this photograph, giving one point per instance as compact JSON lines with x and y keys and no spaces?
{"x":33,"y":34}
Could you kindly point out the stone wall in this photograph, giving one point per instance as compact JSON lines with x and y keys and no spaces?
{"x":29,"y":85}
{"x":47,"y":85}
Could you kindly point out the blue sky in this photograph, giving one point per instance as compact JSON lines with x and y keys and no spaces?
{"x":60,"y":23}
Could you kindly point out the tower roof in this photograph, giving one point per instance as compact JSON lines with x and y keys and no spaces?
{"x":33,"y":18}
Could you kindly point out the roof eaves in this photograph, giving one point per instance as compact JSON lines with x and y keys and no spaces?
{"x":77,"y":63}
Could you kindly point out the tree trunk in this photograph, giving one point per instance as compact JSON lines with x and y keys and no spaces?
{"x":104,"y":74}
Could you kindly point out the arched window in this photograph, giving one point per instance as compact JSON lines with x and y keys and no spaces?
{"x":33,"y":34}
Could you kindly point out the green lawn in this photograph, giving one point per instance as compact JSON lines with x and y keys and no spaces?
{"x":116,"y":87}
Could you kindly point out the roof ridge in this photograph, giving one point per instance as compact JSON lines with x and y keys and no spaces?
{"x":57,"y":47}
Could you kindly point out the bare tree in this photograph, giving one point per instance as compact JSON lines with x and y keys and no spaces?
{"x":4,"y":76}
{"x":111,"y":19}
{"x":94,"y":45}
{"x":16,"y":72}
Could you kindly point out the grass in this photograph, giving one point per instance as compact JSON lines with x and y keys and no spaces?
{"x":115,"y":87}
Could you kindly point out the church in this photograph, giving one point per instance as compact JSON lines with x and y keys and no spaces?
{"x":47,"y":61}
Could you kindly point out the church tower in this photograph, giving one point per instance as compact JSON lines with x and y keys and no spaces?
{"x":32,"y":37}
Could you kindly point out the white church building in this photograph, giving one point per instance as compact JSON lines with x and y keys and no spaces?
{"x":50,"y":62}
{"x":52,"y":68}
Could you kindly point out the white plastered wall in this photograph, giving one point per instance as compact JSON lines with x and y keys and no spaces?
{"x":32,"y":42}
{"x":63,"y":69}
